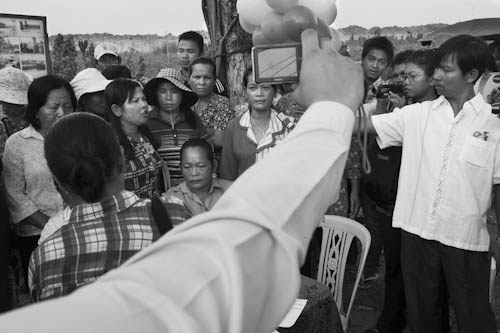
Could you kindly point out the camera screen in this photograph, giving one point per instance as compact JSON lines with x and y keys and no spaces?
{"x":276,"y":64}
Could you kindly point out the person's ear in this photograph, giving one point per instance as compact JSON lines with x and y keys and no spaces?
{"x":117,"y":111}
{"x":472,"y":75}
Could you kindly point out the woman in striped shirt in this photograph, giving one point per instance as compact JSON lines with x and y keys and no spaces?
{"x":171,"y":121}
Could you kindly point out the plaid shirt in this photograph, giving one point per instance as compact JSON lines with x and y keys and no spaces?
{"x":99,"y":237}
{"x":142,"y":173}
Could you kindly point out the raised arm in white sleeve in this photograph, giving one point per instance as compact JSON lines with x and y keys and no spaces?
{"x":234,"y":269}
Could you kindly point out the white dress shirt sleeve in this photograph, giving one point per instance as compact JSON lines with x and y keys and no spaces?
{"x":390,"y":127}
{"x":233,"y":269}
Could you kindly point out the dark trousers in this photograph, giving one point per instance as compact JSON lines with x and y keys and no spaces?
{"x":6,"y":289}
{"x":26,"y":245}
{"x":370,"y":221}
{"x":430,"y":269}
{"x":392,"y":318}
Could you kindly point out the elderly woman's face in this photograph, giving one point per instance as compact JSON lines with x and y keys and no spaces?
{"x":259,"y":95}
{"x":202,"y":80}
{"x":58,"y":104}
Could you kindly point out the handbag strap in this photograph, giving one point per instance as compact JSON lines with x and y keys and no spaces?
{"x":160,"y":216}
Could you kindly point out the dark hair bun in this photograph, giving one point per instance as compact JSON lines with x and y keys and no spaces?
{"x":88,"y":178}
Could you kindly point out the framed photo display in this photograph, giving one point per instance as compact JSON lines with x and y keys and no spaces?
{"x":24,"y":43}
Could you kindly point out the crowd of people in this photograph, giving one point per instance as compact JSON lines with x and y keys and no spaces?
{"x":96,"y":169}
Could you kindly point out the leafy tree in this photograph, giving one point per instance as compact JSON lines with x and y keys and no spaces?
{"x":64,"y":57}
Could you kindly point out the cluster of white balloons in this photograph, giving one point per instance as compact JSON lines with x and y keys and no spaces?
{"x":282,"y":21}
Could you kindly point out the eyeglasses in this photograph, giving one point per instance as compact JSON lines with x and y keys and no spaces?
{"x":411,"y":76}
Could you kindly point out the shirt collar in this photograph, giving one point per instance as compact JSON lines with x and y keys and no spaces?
{"x":275,"y":122}
{"x":155,"y":114}
{"x":185,"y":189}
{"x":476,"y":103}
{"x":112,"y":205}
{"x":31,"y":132}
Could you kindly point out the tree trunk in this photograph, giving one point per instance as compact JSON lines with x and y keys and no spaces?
{"x":230,"y":44}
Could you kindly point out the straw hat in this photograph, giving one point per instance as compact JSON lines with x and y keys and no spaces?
{"x":90,"y":80}
{"x":173,"y":76}
{"x":14,"y":84}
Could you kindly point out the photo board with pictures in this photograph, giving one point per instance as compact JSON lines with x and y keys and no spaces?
{"x":24,"y":44}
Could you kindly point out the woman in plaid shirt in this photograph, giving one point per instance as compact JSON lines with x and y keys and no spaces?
{"x":127,"y":111}
{"x":107,"y":224}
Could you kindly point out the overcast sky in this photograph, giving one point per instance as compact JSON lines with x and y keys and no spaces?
{"x":175,"y":16}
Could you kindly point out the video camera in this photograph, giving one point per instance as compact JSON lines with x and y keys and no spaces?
{"x":384,"y":89}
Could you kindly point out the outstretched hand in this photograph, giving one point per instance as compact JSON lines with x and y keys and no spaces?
{"x":326,"y":75}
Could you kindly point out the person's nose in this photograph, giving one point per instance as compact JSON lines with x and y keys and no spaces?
{"x":194,"y":171}
{"x":438,"y":73}
{"x":60,"y":111}
{"x":259,"y":91}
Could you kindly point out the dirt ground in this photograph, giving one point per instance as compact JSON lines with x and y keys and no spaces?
{"x":369,"y":301}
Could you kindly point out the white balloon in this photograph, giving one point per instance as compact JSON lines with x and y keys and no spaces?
{"x":282,"y":6}
{"x":253,"y":11}
{"x":250,"y":28}
{"x":336,"y":39}
{"x":324,"y":9}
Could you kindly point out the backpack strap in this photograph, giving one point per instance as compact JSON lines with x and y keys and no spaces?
{"x":160,"y":216}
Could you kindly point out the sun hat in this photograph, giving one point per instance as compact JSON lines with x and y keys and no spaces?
{"x":14,"y":84}
{"x":175,"y":77}
{"x":105,"y":48}
{"x":87,"y":81}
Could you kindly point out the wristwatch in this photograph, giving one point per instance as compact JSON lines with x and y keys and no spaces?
{"x":497,"y":240}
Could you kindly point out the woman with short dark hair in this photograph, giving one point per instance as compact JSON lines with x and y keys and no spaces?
{"x":249,"y":137}
{"x":29,"y":188}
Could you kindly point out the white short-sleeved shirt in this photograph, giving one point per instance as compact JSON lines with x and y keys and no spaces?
{"x":447,"y":169}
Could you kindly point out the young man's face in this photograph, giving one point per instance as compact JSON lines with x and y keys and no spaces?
{"x":398,"y":73}
{"x":449,"y":80}
{"x":107,"y":60}
{"x":374,"y":63}
{"x":187,"y":50}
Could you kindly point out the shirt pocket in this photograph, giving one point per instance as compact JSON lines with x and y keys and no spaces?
{"x":476,"y":152}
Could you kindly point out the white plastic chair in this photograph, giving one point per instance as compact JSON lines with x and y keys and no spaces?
{"x":338,"y":233}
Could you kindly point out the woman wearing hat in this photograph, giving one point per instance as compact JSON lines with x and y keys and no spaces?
{"x":171,"y":121}
{"x":29,"y":187}
{"x":127,"y":112}
{"x":14,"y":85}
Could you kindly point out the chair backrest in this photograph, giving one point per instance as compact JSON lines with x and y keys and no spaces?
{"x":338,"y":233}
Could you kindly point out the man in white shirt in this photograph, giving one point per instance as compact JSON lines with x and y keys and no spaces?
{"x":223,"y":271}
{"x":450,"y":162}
